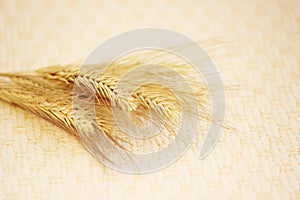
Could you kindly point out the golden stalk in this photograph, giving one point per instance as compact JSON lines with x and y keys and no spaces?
{"x":48,"y":92}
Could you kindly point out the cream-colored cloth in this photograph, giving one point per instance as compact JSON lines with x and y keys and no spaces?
{"x":258,"y":160}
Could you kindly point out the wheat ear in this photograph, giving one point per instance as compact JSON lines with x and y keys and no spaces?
{"x":48,"y":92}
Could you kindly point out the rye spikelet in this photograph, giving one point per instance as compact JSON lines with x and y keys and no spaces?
{"x":48,"y":92}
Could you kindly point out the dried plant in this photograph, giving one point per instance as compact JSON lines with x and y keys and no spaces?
{"x":48,"y":92}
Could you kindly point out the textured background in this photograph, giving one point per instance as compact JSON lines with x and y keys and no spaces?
{"x":258,"y":160}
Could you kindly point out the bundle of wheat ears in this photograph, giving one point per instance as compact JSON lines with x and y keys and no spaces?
{"x":48,"y":92}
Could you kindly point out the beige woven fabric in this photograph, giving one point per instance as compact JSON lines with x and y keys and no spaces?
{"x":259,"y":160}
